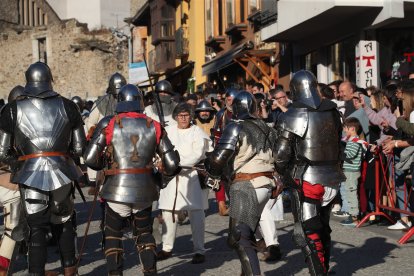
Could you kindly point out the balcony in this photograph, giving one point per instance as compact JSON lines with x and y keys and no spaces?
{"x":181,"y":42}
{"x":215,"y":42}
{"x":236,"y":29}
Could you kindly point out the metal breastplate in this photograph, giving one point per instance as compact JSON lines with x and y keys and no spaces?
{"x":42,"y":125}
{"x":321,"y":140}
{"x":317,"y":152}
{"x":134,"y":146}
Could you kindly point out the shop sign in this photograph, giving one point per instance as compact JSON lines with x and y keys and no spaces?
{"x":138,"y":73}
{"x":367,"y":63}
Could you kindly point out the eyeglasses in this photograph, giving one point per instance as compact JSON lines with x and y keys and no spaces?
{"x":184,"y":116}
{"x":279,"y":98}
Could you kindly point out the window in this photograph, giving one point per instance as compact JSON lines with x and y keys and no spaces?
{"x":209,"y":19}
{"x":252,"y":6}
{"x":230,"y":12}
{"x":41,"y":50}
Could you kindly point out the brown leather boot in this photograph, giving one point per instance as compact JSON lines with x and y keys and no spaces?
{"x":70,"y":271}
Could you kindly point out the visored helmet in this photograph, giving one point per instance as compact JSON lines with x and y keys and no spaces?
{"x":15,"y":92}
{"x":232,"y":92}
{"x":304,"y":89}
{"x":115,"y":84}
{"x":244,"y":106}
{"x":164,"y":86}
{"x":130,"y":98}
{"x":204,"y":105}
{"x":79,"y":102}
{"x":38,"y":79}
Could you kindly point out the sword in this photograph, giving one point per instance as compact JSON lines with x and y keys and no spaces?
{"x":156,"y":97}
{"x":100,"y":177}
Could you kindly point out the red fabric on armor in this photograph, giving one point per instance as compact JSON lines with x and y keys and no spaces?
{"x":4,"y":262}
{"x":318,"y":245}
{"x":109,"y":130}
{"x":220,"y":194}
{"x":314,"y":191}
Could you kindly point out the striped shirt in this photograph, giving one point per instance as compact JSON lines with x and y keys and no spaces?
{"x":354,"y":152}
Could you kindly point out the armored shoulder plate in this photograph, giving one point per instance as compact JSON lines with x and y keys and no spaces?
{"x":295,"y":120}
{"x":94,"y":151}
{"x":230,"y":136}
{"x":103,"y":123}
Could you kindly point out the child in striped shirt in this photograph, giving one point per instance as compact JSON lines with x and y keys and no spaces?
{"x":355,"y":150}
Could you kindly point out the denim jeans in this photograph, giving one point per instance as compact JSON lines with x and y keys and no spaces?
{"x":349,"y":193}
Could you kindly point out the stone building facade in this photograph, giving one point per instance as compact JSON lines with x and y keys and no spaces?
{"x":81,"y":61}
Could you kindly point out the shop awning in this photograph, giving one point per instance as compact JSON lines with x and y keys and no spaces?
{"x":325,"y":28}
{"x":225,"y":60}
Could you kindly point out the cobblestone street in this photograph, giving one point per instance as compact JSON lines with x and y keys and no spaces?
{"x":372,"y":250}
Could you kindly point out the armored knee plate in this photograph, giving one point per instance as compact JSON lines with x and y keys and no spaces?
{"x":34,"y":200}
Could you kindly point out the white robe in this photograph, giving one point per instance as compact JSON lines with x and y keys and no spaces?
{"x":192,"y":144}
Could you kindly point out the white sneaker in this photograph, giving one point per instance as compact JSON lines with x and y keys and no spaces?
{"x":400,"y":225}
{"x":336,"y":208}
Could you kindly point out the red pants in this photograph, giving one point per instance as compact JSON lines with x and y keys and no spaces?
{"x":221,"y":194}
{"x":315,"y":192}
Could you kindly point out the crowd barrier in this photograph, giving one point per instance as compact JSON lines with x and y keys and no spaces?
{"x":389,"y":190}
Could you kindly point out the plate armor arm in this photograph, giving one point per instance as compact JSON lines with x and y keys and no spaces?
{"x":94,"y":153}
{"x":283,"y":151}
{"x":224,"y":151}
{"x":78,"y":141}
{"x":169,"y":157}
{"x":6,"y":138}
{"x":5,"y":142}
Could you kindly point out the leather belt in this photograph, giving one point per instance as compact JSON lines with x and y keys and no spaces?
{"x":42,"y":154}
{"x":128,"y":171}
{"x":250,"y":176}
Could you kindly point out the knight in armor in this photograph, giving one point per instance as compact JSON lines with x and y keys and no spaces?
{"x":205,"y":116}
{"x":10,"y":200}
{"x":308,"y":157}
{"x":165,"y":93}
{"x":124,"y":145}
{"x":104,"y":106}
{"x":40,"y":132}
{"x":223,"y":117}
{"x":246,"y":146}
{"x":81,"y":105}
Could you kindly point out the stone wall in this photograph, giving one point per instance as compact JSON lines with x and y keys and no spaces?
{"x":81,"y":61}
{"x":9,"y":11}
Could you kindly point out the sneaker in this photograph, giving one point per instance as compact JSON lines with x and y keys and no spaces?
{"x":400,"y":225}
{"x":341,"y":214}
{"x":336,"y":208}
{"x":350,"y":221}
